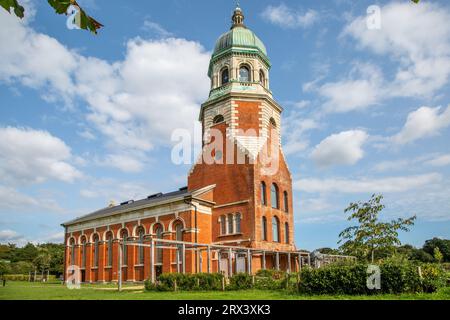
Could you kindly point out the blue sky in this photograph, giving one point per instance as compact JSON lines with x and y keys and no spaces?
{"x":87,"y":119}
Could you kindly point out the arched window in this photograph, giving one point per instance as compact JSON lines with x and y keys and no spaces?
{"x":109,"y":241}
{"x":225,"y":76}
{"x":263,"y":194}
{"x":179,"y":231}
{"x":72,"y":251}
{"x":273,"y":123}
{"x":230,"y":224}
{"x":218,"y":119}
{"x":286,"y":232}
{"x":96,"y":250}
{"x":124,"y":236}
{"x":159,"y":251}
{"x":275,"y":229}
{"x":83,"y":252}
{"x":262,"y":78}
{"x":264,"y":229}
{"x":286,"y":202}
{"x":237,"y":222}
{"x":141,"y":235}
{"x":223,"y":225}
{"x":274,"y":196}
{"x":244,"y":74}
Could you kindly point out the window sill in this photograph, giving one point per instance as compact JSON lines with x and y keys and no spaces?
{"x":230,"y":235}
{"x":138,"y":265}
{"x":108,"y":267}
{"x":94,"y":268}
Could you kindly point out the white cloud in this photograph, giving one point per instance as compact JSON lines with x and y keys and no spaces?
{"x":286,"y":17}
{"x":33,"y":156}
{"x":366,"y":185}
{"x":11,"y":200}
{"x":154,"y":27}
{"x":344,"y":148}
{"x":422,"y":123}
{"x":358,"y":91}
{"x":294,"y":131}
{"x":9,"y":236}
{"x":34,"y":59}
{"x":415,"y":37}
{"x":440,"y":161}
{"x":135,"y":103}
{"x":126,"y":163}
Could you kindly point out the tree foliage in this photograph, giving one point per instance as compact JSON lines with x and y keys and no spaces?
{"x":442,"y":244}
{"x":85,"y":21}
{"x":42,"y":257}
{"x":371,"y":234}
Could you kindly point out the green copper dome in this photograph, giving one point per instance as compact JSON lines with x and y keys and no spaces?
{"x":239,"y":37}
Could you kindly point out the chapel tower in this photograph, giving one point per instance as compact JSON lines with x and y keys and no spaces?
{"x":253,"y":198}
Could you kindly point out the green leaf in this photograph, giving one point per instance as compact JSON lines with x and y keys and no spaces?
{"x":86,"y":22}
{"x":17,"y":8}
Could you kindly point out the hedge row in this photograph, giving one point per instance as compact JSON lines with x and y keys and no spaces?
{"x":186,"y":282}
{"x":352,"y":279}
{"x":332,"y":279}
{"x":264,"y":280}
{"x":25,"y":277}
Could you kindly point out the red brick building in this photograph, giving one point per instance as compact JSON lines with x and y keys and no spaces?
{"x":236,"y":213}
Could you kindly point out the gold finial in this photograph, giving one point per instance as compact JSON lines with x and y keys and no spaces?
{"x":238,"y":17}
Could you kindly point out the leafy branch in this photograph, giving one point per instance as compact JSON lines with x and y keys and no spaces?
{"x":85,"y":22}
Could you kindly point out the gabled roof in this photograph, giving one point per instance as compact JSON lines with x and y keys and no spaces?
{"x":154,"y":200}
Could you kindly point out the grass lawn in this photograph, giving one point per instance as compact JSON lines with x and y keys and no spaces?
{"x":48,"y":291}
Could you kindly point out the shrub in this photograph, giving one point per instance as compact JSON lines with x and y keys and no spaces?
{"x":240,"y":281}
{"x":186,"y":282}
{"x":25,"y":277}
{"x":334,"y":279}
{"x":433,"y":277}
{"x":396,"y":278}
{"x":274,"y":274}
{"x":400,"y":278}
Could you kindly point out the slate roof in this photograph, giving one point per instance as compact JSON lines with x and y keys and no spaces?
{"x":109,"y":211}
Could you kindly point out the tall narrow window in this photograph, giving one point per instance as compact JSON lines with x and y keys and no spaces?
{"x":72,"y":251}
{"x":274,"y":197}
{"x":83,"y":252}
{"x":237,"y":219}
{"x":225,"y":77}
{"x":244,"y":74}
{"x":179,"y":231}
{"x":263,"y":194}
{"x":262,"y":78}
{"x":286,"y":232}
{"x":230,"y":224}
{"x":275,"y":229}
{"x":109,"y":240}
{"x":264,"y":229}
{"x":286,"y":201}
{"x":96,"y":250}
{"x":141,"y":235}
{"x":223,"y":225}
{"x":124,"y":237}
{"x":159,"y":251}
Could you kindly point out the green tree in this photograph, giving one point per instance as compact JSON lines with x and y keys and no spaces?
{"x":43,"y":260}
{"x":84,"y":21}
{"x":28,"y":253}
{"x":442,"y":244}
{"x":21,"y":267}
{"x":370,"y":234}
{"x":328,"y":251}
{"x":5,"y":268}
{"x":437,"y":255}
